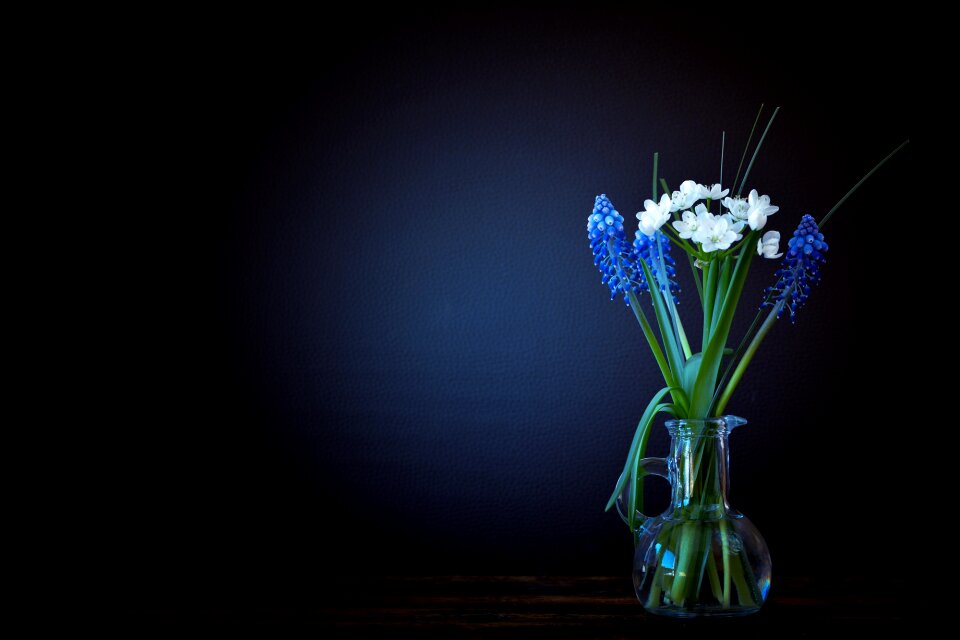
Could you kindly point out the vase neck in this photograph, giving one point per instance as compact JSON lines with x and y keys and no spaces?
{"x":698,"y":467}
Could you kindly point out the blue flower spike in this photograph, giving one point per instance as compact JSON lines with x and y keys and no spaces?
{"x":605,"y":221}
{"x":618,"y":269}
{"x":801,"y":268}
{"x":650,"y":249}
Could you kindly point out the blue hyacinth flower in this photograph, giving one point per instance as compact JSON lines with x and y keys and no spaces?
{"x":612,"y":253}
{"x":650,"y":250}
{"x":800,"y":269}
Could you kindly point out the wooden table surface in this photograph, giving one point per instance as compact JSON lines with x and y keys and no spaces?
{"x":532,"y":606}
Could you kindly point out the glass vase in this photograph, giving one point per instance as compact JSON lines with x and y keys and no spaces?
{"x":700,"y":557}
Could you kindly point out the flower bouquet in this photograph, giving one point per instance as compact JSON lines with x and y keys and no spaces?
{"x":700,"y":557}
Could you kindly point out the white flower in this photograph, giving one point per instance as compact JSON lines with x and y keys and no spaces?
{"x":739,"y":208}
{"x":691,"y":222}
{"x":760,"y":208}
{"x":769,"y":245}
{"x":712,"y":192}
{"x":654,"y":215}
{"x":685,"y":198}
{"x":715,"y":233}
{"x":735,"y":224}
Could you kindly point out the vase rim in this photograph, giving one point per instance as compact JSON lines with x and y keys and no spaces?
{"x":718,"y":426}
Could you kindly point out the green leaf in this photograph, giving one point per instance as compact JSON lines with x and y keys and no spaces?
{"x":722,"y":283}
{"x":681,"y":400}
{"x":696,"y":277}
{"x":711,"y":271}
{"x":639,"y":437}
{"x":701,"y":399}
{"x":635,"y":501}
{"x":667,"y":333}
{"x":690,"y":370}
{"x":651,"y":339}
{"x":671,"y":307}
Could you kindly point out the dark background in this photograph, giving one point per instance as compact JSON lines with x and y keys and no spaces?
{"x":368,"y":338}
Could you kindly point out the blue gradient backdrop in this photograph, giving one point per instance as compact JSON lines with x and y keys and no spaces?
{"x":393,"y":353}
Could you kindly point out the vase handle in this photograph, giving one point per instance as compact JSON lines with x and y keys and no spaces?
{"x":650,"y":467}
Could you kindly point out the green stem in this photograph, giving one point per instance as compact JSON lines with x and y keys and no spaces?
{"x":725,"y":544}
{"x":686,"y":552}
{"x":750,"y":581}
{"x":656,"y":164}
{"x":653,"y":599}
{"x":745,"y":597}
{"x":660,"y":582}
{"x":676,"y":242}
{"x":696,"y":277}
{"x":823,"y":220}
{"x":746,"y":174}
{"x":712,"y":575}
{"x":668,"y":334}
{"x":723,"y":144}
{"x":668,"y":296}
{"x":651,"y":340}
{"x":704,"y":387}
{"x":674,"y":237}
{"x":704,"y":554}
{"x":710,"y":273}
{"x":746,"y":148}
{"x":747,"y":337}
{"x":683,"y":337}
{"x":689,"y":250}
{"x":721,"y":403}
{"x":722,"y":285}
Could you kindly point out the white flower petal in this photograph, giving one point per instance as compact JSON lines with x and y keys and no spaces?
{"x":769,"y":245}
{"x":665,"y":203}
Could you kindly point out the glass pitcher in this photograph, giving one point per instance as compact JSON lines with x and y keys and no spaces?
{"x":700,"y":557}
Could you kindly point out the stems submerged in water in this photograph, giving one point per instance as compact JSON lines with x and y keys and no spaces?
{"x":699,"y":555}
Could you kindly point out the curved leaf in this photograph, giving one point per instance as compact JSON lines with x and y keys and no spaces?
{"x":639,"y":437}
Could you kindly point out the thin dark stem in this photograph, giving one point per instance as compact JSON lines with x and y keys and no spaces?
{"x":823,"y":220}
{"x":746,"y":147}
{"x":746,"y":174}
{"x":656,"y":164}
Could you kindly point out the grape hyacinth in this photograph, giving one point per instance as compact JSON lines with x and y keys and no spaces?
{"x":650,"y":250}
{"x":605,"y":231}
{"x":800,"y":269}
